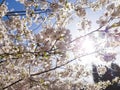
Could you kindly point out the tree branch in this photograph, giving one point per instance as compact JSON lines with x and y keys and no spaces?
{"x":22,"y":13}
{"x":38,"y":73}
{"x":12,"y":83}
{"x":52,"y":68}
{"x":86,"y":34}
{"x":90,"y":32}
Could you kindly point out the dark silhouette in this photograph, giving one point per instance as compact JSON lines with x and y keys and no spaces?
{"x":111,"y":73}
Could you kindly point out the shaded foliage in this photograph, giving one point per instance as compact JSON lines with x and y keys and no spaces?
{"x":111,"y":73}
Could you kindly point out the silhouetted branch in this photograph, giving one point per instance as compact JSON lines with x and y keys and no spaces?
{"x":98,"y":29}
{"x":23,"y":13}
{"x":38,"y":73}
{"x":13,"y":83}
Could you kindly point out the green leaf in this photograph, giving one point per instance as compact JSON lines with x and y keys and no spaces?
{"x":42,"y":81}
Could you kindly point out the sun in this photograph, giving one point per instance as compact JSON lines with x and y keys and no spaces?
{"x":88,"y":45}
{"x":85,"y":49}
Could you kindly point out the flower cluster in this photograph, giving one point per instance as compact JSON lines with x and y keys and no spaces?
{"x":80,"y":11}
{"x":101,"y":70}
{"x":53,"y":38}
{"x":3,"y":10}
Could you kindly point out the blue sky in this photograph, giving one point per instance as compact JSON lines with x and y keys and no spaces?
{"x":13,"y":4}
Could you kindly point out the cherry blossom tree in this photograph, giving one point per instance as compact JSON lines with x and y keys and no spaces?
{"x":51,"y":58}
